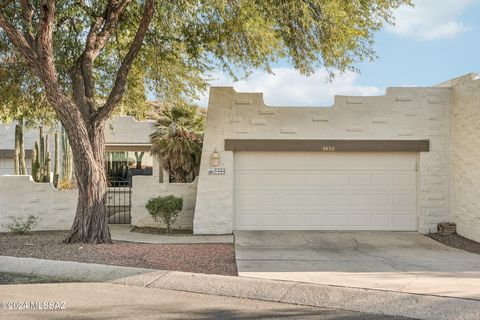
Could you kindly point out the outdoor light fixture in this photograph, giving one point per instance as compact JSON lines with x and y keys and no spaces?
{"x":215,"y":159}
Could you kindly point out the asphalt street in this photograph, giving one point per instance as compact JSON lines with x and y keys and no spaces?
{"x":110,"y":301}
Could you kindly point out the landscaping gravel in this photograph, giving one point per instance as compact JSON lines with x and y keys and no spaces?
{"x":199,"y":258}
{"x":457,"y":241}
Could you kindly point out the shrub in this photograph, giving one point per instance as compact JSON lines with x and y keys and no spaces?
{"x":65,"y":184}
{"x":22,"y":225}
{"x":166,"y":208}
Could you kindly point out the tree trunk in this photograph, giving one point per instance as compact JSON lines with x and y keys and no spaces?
{"x":91,"y":221}
{"x":139,"y":157}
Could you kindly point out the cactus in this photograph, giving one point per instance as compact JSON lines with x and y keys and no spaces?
{"x":35,"y":162}
{"x":46,"y":170}
{"x":21,"y":152}
{"x":16,"y":163}
{"x":67,"y":162}
{"x":41,"y":161}
{"x":55,"y":165}
{"x":41,"y":155}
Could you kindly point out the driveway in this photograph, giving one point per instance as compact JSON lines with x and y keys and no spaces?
{"x":397,"y":261}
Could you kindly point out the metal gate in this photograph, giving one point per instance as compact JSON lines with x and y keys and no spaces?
{"x":119,"y":202}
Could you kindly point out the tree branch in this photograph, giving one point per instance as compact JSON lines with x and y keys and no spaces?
{"x":19,"y":41}
{"x":99,"y":34}
{"x":27,"y":14}
{"x":120,"y":82}
{"x":66,"y":109}
{"x":45,"y":39}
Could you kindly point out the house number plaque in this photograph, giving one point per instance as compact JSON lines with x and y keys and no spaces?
{"x":216,"y":171}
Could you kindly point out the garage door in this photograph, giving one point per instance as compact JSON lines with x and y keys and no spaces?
{"x":325,"y":191}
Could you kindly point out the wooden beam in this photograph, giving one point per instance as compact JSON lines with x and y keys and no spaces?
{"x":128,"y":147}
{"x":326,"y":145}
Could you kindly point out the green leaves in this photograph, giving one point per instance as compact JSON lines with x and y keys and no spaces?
{"x":178,"y":139}
{"x":166,"y":208}
{"x":189,"y":39}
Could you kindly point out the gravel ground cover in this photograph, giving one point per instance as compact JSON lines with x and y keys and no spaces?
{"x":457,"y":241}
{"x":199,"y":258}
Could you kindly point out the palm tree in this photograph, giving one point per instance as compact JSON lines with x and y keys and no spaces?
{"x":178,"y":139}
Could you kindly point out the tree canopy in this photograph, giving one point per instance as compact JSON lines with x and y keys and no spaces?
{"x":188,"y":39}
{"x":84,"y":52}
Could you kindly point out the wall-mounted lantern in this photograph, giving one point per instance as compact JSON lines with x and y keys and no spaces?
{"x":215,"y":159}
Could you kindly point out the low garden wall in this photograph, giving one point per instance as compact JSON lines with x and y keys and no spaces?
{"x":146,"y":187}
{"x":21,"y":196}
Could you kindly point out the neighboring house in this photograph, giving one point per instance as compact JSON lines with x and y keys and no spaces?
{"x":7,"y":148}
{"x":404,"y":161}
{"x":123,"y":134}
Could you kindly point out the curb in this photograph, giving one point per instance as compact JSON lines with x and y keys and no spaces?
{"x":313,"y":295}
{"x":68,"y":270}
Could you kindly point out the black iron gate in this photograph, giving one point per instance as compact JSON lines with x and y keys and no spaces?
{"x":119,"y":201}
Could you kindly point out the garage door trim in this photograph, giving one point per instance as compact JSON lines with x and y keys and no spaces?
{"x":326,"y":145}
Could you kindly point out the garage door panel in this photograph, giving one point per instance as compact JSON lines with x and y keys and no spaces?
{"x":403,"y":180}
{"x":403,"y":220}
{"x":381,"y":221}
{"x":360,"y":220}
{"x":400,"y":200}
{"x":360,"y":180}
{"x":325,"y":191}
{"x":359,"y":200}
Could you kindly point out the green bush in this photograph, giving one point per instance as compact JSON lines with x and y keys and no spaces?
{"x":22,"y":225}
{"x":166,"y":208}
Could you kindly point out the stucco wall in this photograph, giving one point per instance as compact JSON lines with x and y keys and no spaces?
{"x":146,"y":187}
{"x":402,"y":113}
{"x":466,"y":155}
{"x":21,"y":196}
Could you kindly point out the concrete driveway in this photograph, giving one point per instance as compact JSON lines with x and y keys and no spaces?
{"x":397,"y":261}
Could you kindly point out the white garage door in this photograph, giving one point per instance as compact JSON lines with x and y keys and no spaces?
{"x":325,"y":191}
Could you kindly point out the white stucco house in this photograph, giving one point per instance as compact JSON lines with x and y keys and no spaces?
{"x":403,"y":161}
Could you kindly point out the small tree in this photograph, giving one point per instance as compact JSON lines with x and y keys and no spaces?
{"x":178,"y":139}
{"x":166,"y":208}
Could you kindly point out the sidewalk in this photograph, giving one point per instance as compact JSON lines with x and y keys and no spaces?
{"x":314,"y":295}
{"x":67,"y":270}
{"x":122,"y":233}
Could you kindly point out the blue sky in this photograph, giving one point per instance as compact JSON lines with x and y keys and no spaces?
{"x":431,"y":43}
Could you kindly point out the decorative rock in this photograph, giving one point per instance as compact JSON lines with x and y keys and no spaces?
{"x":446,"y":228}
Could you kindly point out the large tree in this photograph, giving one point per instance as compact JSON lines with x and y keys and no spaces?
{"x":83,"y":50}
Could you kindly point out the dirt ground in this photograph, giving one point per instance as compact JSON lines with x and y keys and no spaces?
{"x":199,"y":258}
{"x":457,"y":241}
